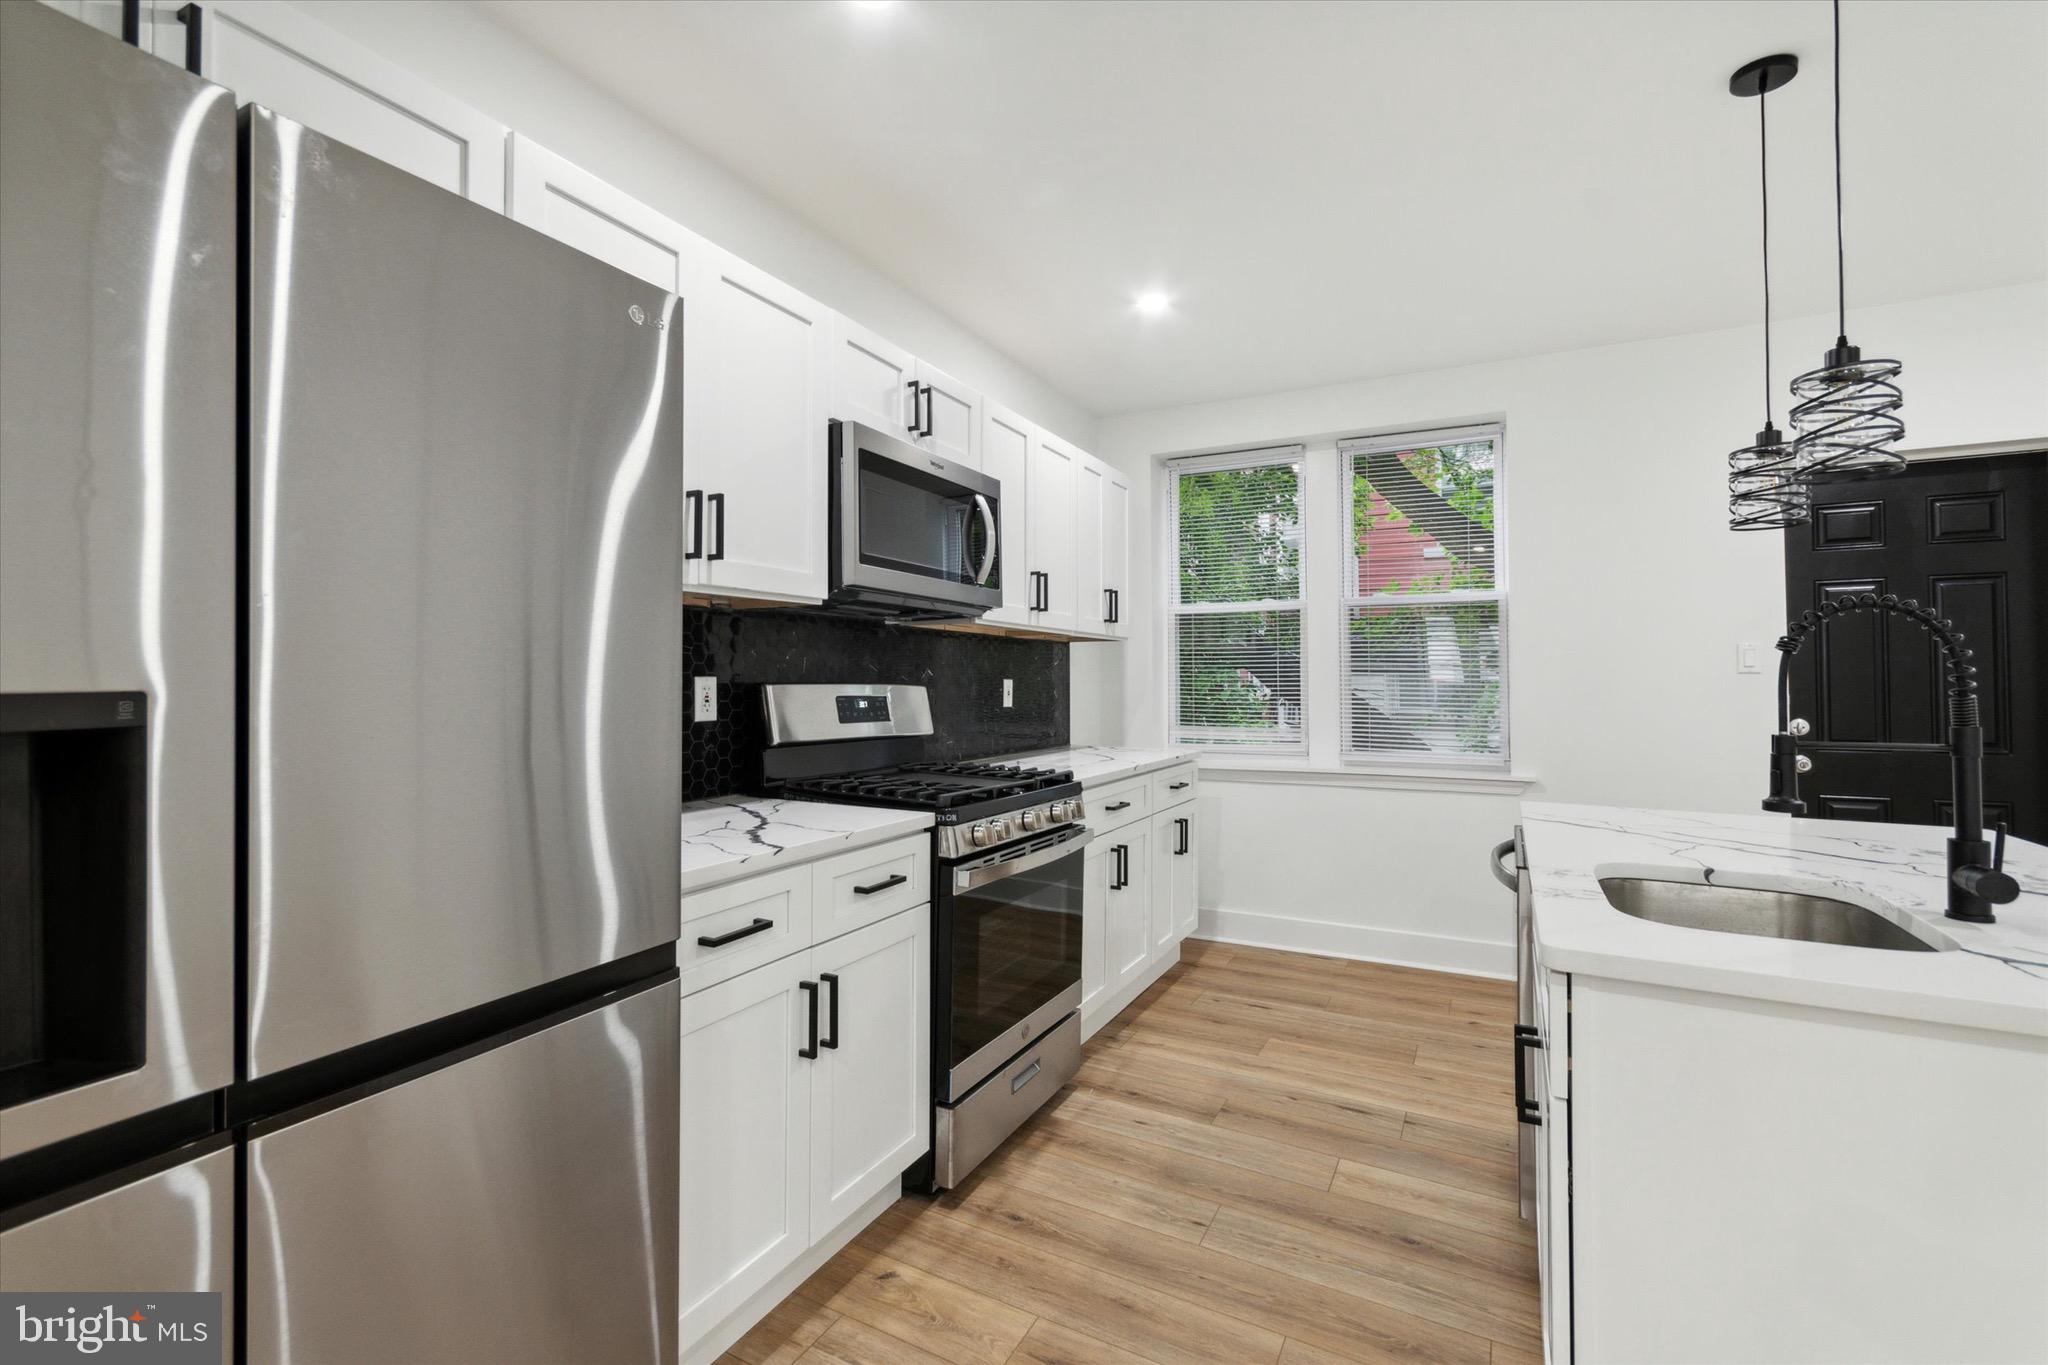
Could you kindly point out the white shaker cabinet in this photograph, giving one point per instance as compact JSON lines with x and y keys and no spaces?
{"x":1128,"y":923}
{"x":873,"y":381}
{"x":1173,"y":876}
{"x":554,"y":195}
{"x":757,"y":389}
{"x":1116,"y":550}
{"x":272,"y":54}
{"x":952,"y":416}
{"x":1092,"y":598}
{"x":1052,"y":482}
{"x":1006,"y":441}
{"x":871,"y":1090}
{"x":746,"y":1139}
{"x":1098,"y":869}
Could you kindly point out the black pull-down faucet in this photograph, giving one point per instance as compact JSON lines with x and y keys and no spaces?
{"x":1977,"y":879}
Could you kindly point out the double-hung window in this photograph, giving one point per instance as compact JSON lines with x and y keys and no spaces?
{"x":1424,"y":600}
{"x":1235,"y":601}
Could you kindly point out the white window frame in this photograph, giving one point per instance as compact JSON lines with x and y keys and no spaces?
{"x":1172,"y":609}
{"x":1350,"y":598}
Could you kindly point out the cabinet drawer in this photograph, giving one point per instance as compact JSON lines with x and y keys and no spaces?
{"x":1174,"y":785}
{"x":1113,"y":807}
{"x":735,"y":913}
{"x":869,"y":884}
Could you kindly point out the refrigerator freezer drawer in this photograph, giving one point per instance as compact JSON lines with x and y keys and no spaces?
{"x":465,"y":563}
{"x":174,"y":1230}
{"x":517,"y":1206}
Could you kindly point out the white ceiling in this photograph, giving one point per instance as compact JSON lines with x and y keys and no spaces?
{"x":1334,"y":191}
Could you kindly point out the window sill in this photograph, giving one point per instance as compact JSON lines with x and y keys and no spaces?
{"x":1295,"y":773}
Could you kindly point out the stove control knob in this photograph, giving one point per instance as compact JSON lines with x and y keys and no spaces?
{"x":1035,"y":820}
{"x":979,"y":835}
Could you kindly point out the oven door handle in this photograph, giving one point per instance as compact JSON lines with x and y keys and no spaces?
{"x":988,"y":554}
{"x":994,"y":870}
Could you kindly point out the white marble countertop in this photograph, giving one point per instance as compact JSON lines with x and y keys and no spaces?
{"x":1991,"y":976}
{"x":1092,"y":764}
{"x":737,"y":836}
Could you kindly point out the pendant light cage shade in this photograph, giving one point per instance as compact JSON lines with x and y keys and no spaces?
{"x":1848,"y":418}
{"x":1766,"y":487}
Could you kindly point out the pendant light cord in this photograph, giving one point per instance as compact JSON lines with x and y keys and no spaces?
{"x":1842,"y":271}
{"x":1763,"y":162}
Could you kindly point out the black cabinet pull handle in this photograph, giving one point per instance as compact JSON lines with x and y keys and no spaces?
{"x":189,"y":16}
{"x":810,"y":990}
{"x":831,"y":1039}
{"x":1526,"y":1110}
{"x":695,"y":497}
{"x":1123,"y":867}
{"x":1182,"y":850}
{"x":916,"y":413}
{"x":1177,"y":786}
{"x":717,"y":501}
{"x":882,"y":885}
{"x":1116,"y":806}
{"x":930,"y":412}
{"x":744,"y":931}
{"x":131,"y":22}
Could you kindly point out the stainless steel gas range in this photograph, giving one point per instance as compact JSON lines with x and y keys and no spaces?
{"x":1006,"y":901}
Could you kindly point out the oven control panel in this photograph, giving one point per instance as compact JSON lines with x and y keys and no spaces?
{"x":964,"y":840}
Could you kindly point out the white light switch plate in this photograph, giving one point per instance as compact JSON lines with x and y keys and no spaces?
{"x":1749,"y":657}
{"x":705,"y":691}
{"x":1009,"y":692}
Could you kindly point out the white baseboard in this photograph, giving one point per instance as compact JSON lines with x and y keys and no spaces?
{"x":1364,"y":943}
{"x":741,"y":1320}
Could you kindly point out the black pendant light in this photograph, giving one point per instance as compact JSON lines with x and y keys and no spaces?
{"x":1847,"y":415}
{"x":1765,"y":489}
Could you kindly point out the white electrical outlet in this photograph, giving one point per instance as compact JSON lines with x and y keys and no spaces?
{"x":706,"y":705}
{"x":1009,"y":692}
{"x":1749,"y":657}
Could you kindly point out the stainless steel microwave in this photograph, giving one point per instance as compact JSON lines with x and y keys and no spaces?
{"x":913,"y":535}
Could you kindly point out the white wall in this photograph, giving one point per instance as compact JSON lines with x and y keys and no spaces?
{"x":465,"y":53}
{"x":1628,"y":596}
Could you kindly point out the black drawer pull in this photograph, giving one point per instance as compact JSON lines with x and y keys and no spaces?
{"x":831,"y":1039}
{"x":882,"y":885}
{"x":1116,"y":805}
{"x":744,"y":931}
{"x":1178,"y":786}
{"x":1526,"y":1110}
{"x":810,"y":990}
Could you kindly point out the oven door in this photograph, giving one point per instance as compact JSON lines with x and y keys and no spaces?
{"x":1009,"y":945}
{"x":912,"y":528}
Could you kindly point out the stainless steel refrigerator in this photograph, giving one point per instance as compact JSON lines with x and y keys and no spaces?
{"x":440,"y":557}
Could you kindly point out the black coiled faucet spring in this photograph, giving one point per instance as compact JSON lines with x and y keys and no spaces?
{"x":1976,"y":872}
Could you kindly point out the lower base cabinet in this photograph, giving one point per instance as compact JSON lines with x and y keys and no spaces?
{"x":805,"y":1092}
{"x":1139,"y":888}
{"x":1173,"y":876}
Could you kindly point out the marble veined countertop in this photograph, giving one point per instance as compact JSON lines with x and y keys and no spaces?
{"x":737,"y":836}
{"x":1991,"y":976}
{"x":1092,"y":764}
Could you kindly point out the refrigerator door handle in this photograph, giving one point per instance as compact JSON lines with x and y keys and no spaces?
{"x":1500,"y":872}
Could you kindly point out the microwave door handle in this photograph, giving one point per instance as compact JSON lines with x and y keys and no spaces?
{"x":988,"y":551}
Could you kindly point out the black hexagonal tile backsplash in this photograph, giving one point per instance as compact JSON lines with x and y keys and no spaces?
{"x":744,"y":649}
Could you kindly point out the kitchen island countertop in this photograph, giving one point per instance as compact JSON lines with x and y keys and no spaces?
{"x":1990,"y":976}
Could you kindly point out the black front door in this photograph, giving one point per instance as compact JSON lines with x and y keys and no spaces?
{"x":1970,"y":539}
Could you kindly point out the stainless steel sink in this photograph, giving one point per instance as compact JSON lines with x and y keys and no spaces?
{"x":1765,"y":914}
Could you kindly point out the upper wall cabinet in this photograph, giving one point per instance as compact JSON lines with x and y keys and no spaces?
{"x":879,"y":384}
{"x":271,"y":54}
{"x":1054,"y":547}
{"x":952,"y":416}
{"x":1006,"y":441}
{"x":1093,"y":599}
{"x":568,"y":203}
{"x":757,"y":388}
{"x":874,"y":382}
{"x":1116,"y":550}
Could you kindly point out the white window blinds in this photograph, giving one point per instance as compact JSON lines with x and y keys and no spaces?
{"x":1235,"y":600}
{"x":1424,"y":600}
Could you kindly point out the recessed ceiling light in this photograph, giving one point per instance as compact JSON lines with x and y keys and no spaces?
{"x":1153,"y":303}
